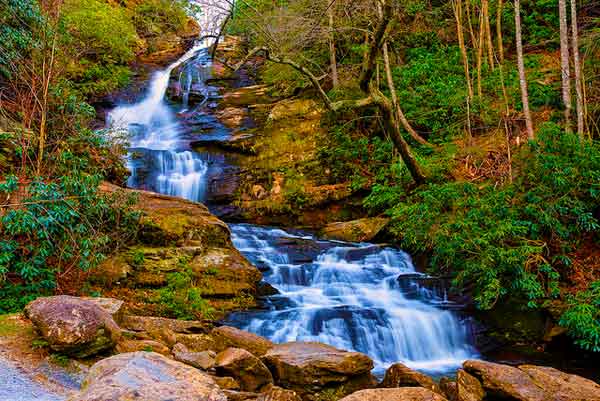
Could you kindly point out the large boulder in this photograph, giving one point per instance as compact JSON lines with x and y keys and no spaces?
{"x":204,"y":360}
{"x":147,"y":376}
{"x":395,"y":394}
{"x":274,"y":393}
{"x":357,"y":230}
{"x":126,"y":346}
{"x":226,"y":336}
{"x":468,"y":388}
{"x":247,"y":369}
{"x":562,"y":386}
{"x":309,"y":367}
{"x":531,"y":383}
{"x":73,"y":326}
{"x":399,"y":375}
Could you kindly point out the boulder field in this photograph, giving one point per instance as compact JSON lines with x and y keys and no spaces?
{"x":160,"y":359}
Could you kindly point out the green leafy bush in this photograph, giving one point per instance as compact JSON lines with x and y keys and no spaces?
{"x":507,"y":241}
{"x":156,"y":17}
{"x":57,"y":231}
{"x":582,"y":317}
{"x":17,"y":18}
{"x":181,"y":298}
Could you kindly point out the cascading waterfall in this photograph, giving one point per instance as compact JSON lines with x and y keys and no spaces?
{"x":349,"y":296}
{"x":155,"y":136}
{"x":346,"y":295}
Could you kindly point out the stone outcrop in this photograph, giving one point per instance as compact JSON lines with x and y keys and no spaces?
{"x":361,"y":230}
{"x":204,"y":360}
{"x":126,"y":346}
{"x":227,"y":336}
{"x":395,"y":394}
{"x":399,"y":375}
{"x":274,"y":393}
{"x":247,"y":369}
{"x":313,"y":367}
{"x":468,"y":388}
{"x":531,"y":383}
{"x":147,"y":376}
{"x":177,"y":235}
{"x":72,"y":325}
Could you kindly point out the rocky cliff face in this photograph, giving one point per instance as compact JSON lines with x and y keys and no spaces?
{"x":184,"y":255}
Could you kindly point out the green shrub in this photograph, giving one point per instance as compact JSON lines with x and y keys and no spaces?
{"x":157,"y":17}
{"x":582,"y":317}
{"x":17,"y":19}
{"x":181,"y":298}
{"x":60,"y":230}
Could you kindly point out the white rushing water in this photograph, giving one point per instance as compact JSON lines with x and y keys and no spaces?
{"x":348,"y":296}
{"x":160,"y":160}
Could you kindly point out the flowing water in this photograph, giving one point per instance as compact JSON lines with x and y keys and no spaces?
{"x":353,"y":296}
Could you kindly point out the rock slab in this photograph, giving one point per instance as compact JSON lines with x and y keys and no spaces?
{"x":395,"y":394}
{"x":147,"y":376}
{"x":72,"y":325}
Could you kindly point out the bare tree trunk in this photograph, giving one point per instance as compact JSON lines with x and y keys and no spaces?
{"x":564,"y":62}
{"x":522,"y":77}
{"x":457,"y":6}
{"x":390,"y":82}
{"x":332,"y":55}
{"x":577,"y":64}
{"x":488,"y":32}
{"x":499,"y":14}
{"x":480,"y":56}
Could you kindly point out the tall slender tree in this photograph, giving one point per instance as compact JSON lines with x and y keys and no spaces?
{"x":564,"y":61}
{"x":577,"y":66}
{"x":458,"y":13}
{"x":332,"y":53}
{"x":522,"y":75}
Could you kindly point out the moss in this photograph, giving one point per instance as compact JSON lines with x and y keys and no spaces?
{"x":9,"y":325}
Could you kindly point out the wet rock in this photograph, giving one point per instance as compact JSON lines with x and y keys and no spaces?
{"x":274,"y":393}
{"x":202,"y":360}
{"x":154,"y":324}
{"x":227,"y":383}
{"x":449,"y":388}
{"x":247,"y":369}
{"x":196,"y":342}
{"x":531,"y":383}
{"x":232,"y":117}
{"x":362,"y":230}
{"x":246,"y":95}
{"x":147,"y":376}
{"x":240,"y":395}
{"x":142,"y":345}
{"x":310,"y":367}
{"x":265,"y":289}
{"x":72,"y":325}
{"x":295,"y":108}
{"x":395,"y":394}
{"x":115,"y":307}
{"x":226,"y":336}
{"x":505,"y":381}
{"x":562,"y":386}
{"x":468,"y":388}
{"x":399,"y":375}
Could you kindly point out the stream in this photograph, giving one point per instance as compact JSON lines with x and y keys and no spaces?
{"x":361,"y":297}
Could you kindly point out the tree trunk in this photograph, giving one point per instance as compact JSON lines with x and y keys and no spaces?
{"x":577,"y":65}
{"x":564,"y":62}
{"x":393,"y":129}
{"x":499,"y":14}
{"x":522,"y":77}
{"x":332,"y":56}
{"x":390,"y":82}
{"x":457,"y":6}
{"x":488,"y":32}
{"x":480,"y":56}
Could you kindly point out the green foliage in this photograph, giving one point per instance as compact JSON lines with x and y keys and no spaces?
{"x":17,"y":19}
{"x":507,"y":241}
{"x":181,"y":298}
{"x":582,"y":317}
{"x":102,"y":32}
{"x":61,"y":227}
{"x":157,"y":17}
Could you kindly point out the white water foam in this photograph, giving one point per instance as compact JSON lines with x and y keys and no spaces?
{"x":348,"y":296}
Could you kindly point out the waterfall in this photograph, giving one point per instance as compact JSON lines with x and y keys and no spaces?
{"x":155,"y":135}
{"x":348,"y":296}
